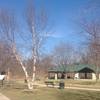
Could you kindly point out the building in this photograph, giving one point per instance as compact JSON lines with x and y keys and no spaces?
{"x":77,"y":71}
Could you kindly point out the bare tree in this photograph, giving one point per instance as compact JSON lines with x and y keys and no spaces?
{"x":91,"y":31}
{"x":63,"y":54}
{"x":45,"y":63}
{"x":8,"y":32}
{"x":37,"y":30}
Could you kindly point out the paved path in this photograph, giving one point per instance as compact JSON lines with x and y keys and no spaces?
{"x":2,"y":97}
{"x":79,"y":88}
{"x":76,"y":88}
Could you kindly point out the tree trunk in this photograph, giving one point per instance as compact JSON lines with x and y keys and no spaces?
{"x":29,"y":83}
{"x":8,"y":75}
{"x":34,"y":69}
{"x":96,"y":73}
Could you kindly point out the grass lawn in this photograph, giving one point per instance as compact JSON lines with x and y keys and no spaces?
{"x":49,"y":94}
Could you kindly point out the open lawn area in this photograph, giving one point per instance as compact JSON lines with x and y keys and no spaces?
{"x":49,"y":94}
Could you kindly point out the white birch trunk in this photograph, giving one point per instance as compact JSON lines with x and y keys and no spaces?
{"x":34,"y":69}
{"x":8,"y":75}
{"x":29,"y":83}
{"x":34,"y":73}
{"x":34,"y":52}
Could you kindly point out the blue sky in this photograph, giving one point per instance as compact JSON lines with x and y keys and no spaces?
{"x":62,"y":14}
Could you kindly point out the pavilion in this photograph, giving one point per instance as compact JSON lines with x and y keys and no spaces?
{"x":77,"y":71}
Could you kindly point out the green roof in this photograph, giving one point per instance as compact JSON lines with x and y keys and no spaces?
{"x":72,"y":68}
